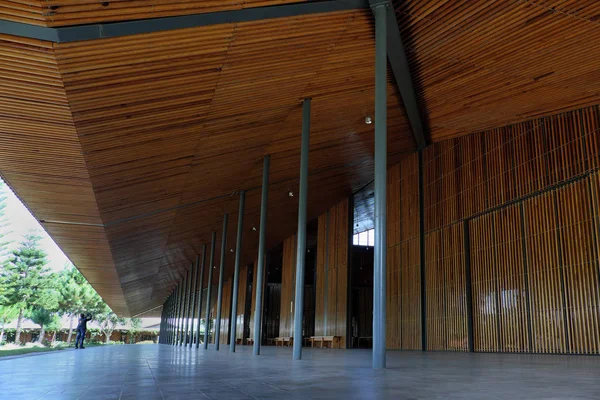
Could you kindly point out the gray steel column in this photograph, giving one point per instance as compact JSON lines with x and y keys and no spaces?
{"x":261,"y":255}
{"x":379,"y":250}
{"x":191,"y":309}
{"x":188,"y":304}
{"x":168,"y":323}
{"x":171,"y":313}
{"x":194,"y":291}
{"x":177,"y":312}
{"x":182,"y":314}
{"x":161,"y":328}
{"x":168,"y":338}
{"x":209,"y":290}
{"x":301,"y":249}
{"x":199,"y":315}
{"x":236,"y":272}
{"x":220,"y":289}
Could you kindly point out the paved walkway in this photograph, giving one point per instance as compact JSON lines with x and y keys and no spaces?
{"x":151,"y":372}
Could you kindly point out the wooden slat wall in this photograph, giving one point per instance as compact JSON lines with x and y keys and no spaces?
{"x":252,"y":313}
{"x":331,"y":308}
{"x":530,"y":195}
{"x":321,"y":272}
{"x":288,"y":287}
{"x":226,"y":311}
{"x":544,"y":259}
{"x":403,"y":263}
{"x":204,"y":294}
{"x":500,"y":318}
{"x":580,"y":260}
{"x":213,"y":312}
{"x":241,"y":304}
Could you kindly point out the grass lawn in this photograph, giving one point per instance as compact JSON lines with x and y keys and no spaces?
{"x":26,"y":350}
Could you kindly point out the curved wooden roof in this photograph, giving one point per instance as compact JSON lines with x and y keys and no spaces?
{"x":130,"y":149}
{"x":53,"y":13}
{"x":166,"y":127}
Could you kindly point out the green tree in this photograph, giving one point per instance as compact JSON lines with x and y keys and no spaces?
{"x":134,"y":326}
{"x":108,"y":321}
{"x":77,"y":296}
{"x":43,"y":318}
{"x":25,"y":279}
{"x":7,"y":315}
{"x":54,"y":326}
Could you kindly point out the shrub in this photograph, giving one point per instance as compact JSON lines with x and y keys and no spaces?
{"x":31,"y":345}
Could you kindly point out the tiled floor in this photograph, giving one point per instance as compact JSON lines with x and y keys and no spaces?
{"x":151,"y":372}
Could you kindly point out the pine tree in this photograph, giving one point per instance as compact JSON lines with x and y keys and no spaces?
{"x":43,"y":318}
{"x":108,"y":321}
{"x":54,"y":326}
{"x":77,"y":297}
{"x":135,"y":324}
{"x":25,"y":279}
{"x":7,"y":315}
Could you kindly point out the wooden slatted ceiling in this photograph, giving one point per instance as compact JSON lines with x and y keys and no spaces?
{"x":54,"y":13}
{"x":483,"y":64}
{"x":173,"y":123}
{"x":42,"y":160}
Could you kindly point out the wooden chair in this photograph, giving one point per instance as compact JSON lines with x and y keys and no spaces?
{"x":332,"y":342}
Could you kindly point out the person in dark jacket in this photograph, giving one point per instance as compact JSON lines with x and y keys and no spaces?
{"x":81,"y":329}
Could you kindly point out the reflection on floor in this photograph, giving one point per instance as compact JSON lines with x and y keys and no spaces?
{"x":151,"y":372}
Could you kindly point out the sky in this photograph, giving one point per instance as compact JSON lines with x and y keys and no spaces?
{"x":21,"y":222}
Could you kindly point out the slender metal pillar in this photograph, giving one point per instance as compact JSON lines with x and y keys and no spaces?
{"x":257,"y":312}
{"x":168,"y":319}
{"x":182,"y":314}
{"x":177,"y":314}
{"x":168,"y":337}
{"x":194,"y":291}
{"x":220,"y":289}
{"x":188,"y":304}
{"x":211,"y":266}
{"x":201,"y":283}
{"x":161,"y":329}
{"x":191,"y":308}
{"x":301,"y":249}
{"x":379,"y":259}
{"x":171,"y":313}
{"x":236,"y":272}
{"x":174,"y":315}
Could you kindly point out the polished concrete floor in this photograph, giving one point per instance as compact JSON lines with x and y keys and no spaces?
{"x":151,"y":372}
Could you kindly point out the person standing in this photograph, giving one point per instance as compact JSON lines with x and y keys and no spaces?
{"x":81,"y":329}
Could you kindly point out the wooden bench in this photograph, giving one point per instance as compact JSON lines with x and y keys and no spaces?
{"x":332,"y":342}
{"x":250,"y":341}
{"x":284,"y":341}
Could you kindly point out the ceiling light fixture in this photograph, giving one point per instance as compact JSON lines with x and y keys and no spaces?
{"x":368,"y":120}
{"x":291,"y":194}
{"x":254,"y":228}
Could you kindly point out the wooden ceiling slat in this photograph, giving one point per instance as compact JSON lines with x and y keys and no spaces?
{"x":481,"y":64}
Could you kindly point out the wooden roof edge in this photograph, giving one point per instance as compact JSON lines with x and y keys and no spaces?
{"x":117,"y":29}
